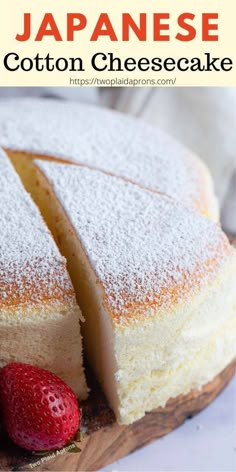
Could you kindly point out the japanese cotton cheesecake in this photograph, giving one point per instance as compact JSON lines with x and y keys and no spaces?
{"x":105,"y":140}
{"x":39,"y":316}
{"x":156,"y":284}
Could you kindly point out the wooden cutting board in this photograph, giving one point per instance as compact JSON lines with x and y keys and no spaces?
{"x":103,"y":441}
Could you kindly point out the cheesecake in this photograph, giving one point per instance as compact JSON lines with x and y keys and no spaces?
{"x":105,"y":140}
{"x":39,"y":315}
{"x":155,"y":282}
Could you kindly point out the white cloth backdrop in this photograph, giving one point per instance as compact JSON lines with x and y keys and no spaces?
{"x":202,"y":118}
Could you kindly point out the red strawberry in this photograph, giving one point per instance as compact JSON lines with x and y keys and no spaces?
{"x":40,"y":411}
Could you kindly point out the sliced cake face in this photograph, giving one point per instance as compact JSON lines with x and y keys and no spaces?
{"x":109,"y":141}
{"x":140,"y":244}
{"x":39,"y":317}
{"x":156,"y":283}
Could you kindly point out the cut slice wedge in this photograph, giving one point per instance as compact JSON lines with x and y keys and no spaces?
{"x":155,"y":282}
{"x":39,"y":316}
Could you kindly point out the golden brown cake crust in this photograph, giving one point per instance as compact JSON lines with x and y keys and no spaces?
{"x":32,"y":271}
{"x":145,"y":249}
{"x":168,"y":296}
{"x":52,"y":290}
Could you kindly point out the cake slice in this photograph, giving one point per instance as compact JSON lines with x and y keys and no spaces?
{"x":156,"y":284}
{"x":39,"y":316}
{"x":107,"y":140}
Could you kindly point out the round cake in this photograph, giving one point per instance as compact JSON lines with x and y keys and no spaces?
{"x":108,"y":141}
{"x":135,"y":216}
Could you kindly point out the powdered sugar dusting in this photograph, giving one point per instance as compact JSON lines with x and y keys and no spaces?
{"x":105,"y":140}
{"x":31,"y":267}
{"x":144,"y":247}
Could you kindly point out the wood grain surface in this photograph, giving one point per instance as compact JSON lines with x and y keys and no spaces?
{"x":103,"y":441}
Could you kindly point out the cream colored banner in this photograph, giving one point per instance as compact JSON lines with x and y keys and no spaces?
{"x":117,"y":62}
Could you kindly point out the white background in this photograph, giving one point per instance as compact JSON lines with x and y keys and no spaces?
{"x":206,"y":443}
